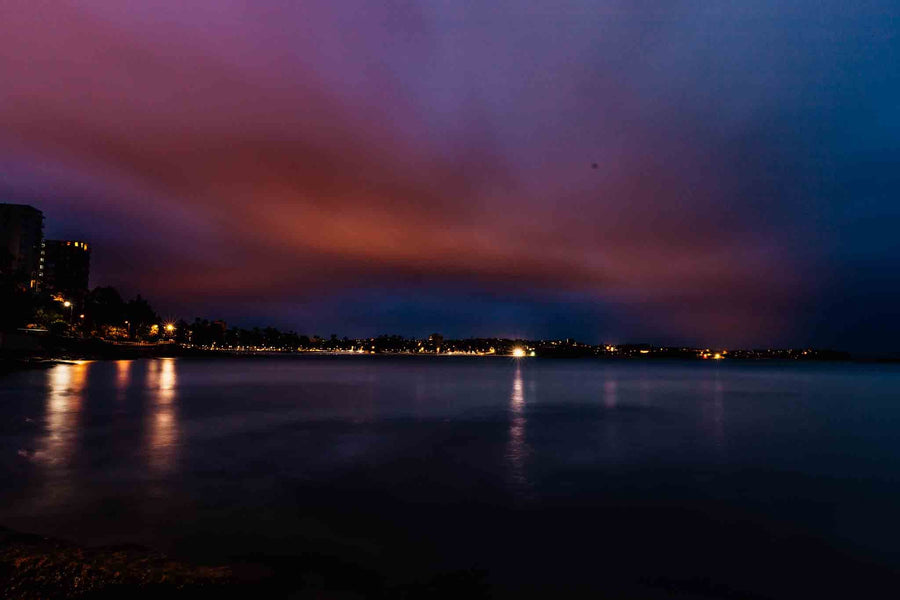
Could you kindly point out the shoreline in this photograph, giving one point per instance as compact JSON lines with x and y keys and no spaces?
{"x":17,"y":363}
{"x":60,"y":350}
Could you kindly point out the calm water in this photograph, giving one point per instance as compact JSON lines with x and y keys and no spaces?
{"x":725,"y":479}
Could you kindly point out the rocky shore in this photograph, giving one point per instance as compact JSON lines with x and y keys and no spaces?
{"x":33,"y":567}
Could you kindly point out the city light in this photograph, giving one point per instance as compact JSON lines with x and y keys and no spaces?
{"x":170,"y":328}
{"x":67,"y":304}
{"x":518,"y":352}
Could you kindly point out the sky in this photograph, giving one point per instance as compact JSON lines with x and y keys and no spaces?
{"x":709,"y":173}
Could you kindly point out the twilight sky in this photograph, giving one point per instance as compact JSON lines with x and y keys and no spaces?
{"x":719,"y":173}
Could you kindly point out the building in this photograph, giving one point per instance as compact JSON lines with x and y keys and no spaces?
{"x":21,"y":235}
{"x":67,"y":267}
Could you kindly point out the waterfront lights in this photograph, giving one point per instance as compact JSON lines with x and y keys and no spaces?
{"x":518,"y":352}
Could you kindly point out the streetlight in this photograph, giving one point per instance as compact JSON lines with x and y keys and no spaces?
{"x":68,"y":305}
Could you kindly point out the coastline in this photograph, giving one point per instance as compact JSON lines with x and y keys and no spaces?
{"x":48,"y":351}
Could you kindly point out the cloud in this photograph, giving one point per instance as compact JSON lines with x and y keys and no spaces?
{"x":284,"y":151}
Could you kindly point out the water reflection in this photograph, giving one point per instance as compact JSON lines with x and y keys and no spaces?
{"x":610,"y":393}
{"x":57,"y":448}
{"x":161,"y":420}
{"x":718,"y":414}
{"x":611,"y":420}
{"x":711,"y":407}
{"x":517,"y":448}
{"x":65,"y":393}
{"x":123,"y":378}
{"x":645,"y":391}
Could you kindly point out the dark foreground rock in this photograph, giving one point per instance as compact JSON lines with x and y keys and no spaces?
{"x":37,"y":567}
{"x":33,"y":567}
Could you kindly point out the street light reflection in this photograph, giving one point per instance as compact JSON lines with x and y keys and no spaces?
{"x":64,"y":399}
{"x":517,"y":448}
{"x":56,"y":449}
{"x":610,"y":393}
{"x":162,"y":418}
{"x":123,"y":377}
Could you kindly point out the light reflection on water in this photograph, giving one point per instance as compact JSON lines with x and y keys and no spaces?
{"x":123,"y":377}
{"x":57,"y":447}
{"x":610,"y":393}
{"x":711,"y":396}
{"x":128,"y":449}
{"x":161,"y":419}
{"x":718,"y":414}
{"x":517,"y":447}
{"x":65,"y":387}
{"x":611,"y":423}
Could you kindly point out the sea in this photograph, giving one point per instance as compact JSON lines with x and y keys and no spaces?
{"x":492,"y":476}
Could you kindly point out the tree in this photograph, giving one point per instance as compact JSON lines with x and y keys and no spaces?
{"x":103,"y":308}
{"x":140,"y":316}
